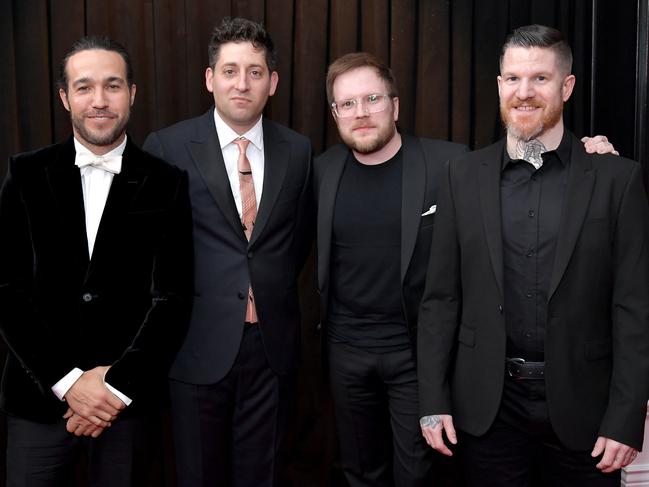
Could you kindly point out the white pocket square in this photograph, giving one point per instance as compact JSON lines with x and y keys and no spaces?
{"x":430,"y":211}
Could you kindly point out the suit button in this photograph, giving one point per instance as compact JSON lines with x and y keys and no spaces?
{"x":241,"y":295}
{"x":250,"y":255}
{"x":87,"y":297}
{"x":500,"y":308}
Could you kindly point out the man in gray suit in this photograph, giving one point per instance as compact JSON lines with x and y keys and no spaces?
{"x":250,"y":193}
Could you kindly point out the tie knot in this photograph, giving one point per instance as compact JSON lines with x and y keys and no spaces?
{"x":242,"y":142}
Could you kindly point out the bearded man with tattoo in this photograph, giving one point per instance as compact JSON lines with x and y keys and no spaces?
{"x":533,"y":334}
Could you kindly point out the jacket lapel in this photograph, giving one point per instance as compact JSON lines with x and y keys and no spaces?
{"x":276,"y":158}
{"x":489,"y":184}
{"x":326,"y":194}
{"x":581,"y":178}
{"x":64,"y":180}
{"x":412,"y":198}
{"x":123,"y":190}
{"x":207,"y":155}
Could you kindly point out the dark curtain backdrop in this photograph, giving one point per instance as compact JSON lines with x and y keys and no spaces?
{"x":443,"y":52}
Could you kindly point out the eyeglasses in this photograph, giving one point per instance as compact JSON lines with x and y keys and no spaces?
{"x":373,"y":103}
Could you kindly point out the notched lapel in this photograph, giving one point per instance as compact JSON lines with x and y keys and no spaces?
{"x":208,"y":158}
{"x":277,"y":153}
{"x":489,"y":184}
{"x":581,"y":179}
{"x":413,"y":191}
{"x":326,"y":194}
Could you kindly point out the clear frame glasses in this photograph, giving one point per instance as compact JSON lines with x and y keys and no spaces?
{"x":372,"y":103}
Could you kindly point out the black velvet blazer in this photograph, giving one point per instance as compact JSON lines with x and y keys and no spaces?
{"x":127,"y":307}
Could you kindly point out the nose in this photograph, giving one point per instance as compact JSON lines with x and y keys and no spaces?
{"x":361,"y":110}
{"x":242,"y":81}
{"x":525,"y":90}
{"x":99,"y":99}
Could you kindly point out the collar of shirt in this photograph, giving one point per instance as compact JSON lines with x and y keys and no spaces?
{"x":117,"y":151}
{"x":230,"y":151}
{"x":226,"y":135}
{"x":562,"y":152}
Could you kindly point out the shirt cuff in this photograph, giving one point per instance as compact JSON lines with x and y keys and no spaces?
{"x":61,"y":388}
{"x":123,"y":397}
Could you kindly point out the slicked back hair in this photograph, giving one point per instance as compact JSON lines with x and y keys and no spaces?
{"x":355,"y":60}
{"x":544,"y":37}
{"x":239,"y":29}
{"x":90,"y":43}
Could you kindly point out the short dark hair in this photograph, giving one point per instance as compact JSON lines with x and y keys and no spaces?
{"x":239,"y":29}
{"x":540,"y":36}
{"x":355,"y":60}
{"x":89,"y":43}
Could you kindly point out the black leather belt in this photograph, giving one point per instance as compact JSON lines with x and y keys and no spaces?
{"x":521,"y":369}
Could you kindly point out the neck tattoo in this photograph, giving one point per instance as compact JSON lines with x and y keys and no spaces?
{"x":530,"y":151}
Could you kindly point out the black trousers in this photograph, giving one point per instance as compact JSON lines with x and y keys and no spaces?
{"x":521,"y":449}
{"x":46,"y":455}
{"x":231,"y":433}
{"x":377,"y":416}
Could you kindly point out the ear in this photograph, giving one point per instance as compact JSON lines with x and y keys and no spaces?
{"x":209,"y":78}
{"x":64,"y":99}
{"x":568,"y":86}
{"x":395,"y":109}
{"x":132,"y":91}
{"x":274,"y":79}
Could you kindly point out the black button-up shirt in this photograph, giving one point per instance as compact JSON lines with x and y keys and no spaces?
{"x":531,"y":207}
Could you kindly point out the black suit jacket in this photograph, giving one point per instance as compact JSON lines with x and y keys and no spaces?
{"x":423,"y":162}
{"x":226,"y":263}
{"x":597,"y":332}
{"x":127,"y":307}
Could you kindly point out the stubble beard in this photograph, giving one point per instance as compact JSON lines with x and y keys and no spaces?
{"x":94,"y":138}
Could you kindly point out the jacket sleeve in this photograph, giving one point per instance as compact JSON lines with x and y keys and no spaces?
{"x":26,"y":333}
{"x":440,"y":307}
{"x":626,"y":411}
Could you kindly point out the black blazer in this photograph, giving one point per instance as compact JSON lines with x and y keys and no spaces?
{"x":423,"y":162}
{"x":226,"y":263}
{"x":597,"y":333}
{"x":128,"y":306}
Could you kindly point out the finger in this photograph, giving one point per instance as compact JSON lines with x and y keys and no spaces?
{"x":615,"y":153}
{"x":97,"y":432}
{"x":608,"y":459}
{"x":68,"y":414}
{"x":98,"y":422}
{"x":115,"y":402}
{"x":428,"y":435}
{"x":599,"y":447}
{"x":630,"y":457}
{"x":438,"y":443}
{"x":450,"y":430}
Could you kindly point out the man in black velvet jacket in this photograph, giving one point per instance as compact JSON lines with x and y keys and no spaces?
{"x":95,"y":281}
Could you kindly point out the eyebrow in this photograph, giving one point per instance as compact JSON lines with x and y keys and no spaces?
{"x":87,"y":79}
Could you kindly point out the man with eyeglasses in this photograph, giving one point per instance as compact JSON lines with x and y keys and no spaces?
{"x":376,"y":204}
{"x":377,"y":196}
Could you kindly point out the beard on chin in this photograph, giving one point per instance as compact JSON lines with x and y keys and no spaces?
{"x":98,"y":139}
{"x":550,"y":116}
{"x":368,"y":146}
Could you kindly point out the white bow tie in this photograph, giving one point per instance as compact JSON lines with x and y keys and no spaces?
{"x":112,"y":164}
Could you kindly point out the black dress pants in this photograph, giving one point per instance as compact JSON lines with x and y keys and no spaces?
{"x":230,"y":434}
{"x":377,"y":417}
{"x":46,"y":455}
{"x":521,"y":449}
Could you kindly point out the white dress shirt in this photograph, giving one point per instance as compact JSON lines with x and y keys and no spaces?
{"x":230,"y":150}
{"x":96,"y":185}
